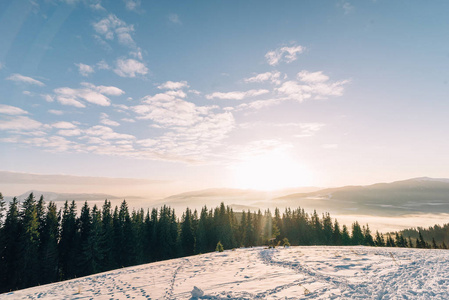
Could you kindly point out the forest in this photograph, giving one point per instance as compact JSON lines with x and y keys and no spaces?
{"x":40,"y":244}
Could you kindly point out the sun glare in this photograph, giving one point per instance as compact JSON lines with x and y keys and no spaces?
{"x":270,"y":171}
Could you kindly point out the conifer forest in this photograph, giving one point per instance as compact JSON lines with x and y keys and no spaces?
{"x":40,"y":244}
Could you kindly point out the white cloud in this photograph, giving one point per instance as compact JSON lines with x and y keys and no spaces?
{"x":174,"y":18}
{"x":283,"y":54}
{"x":48,"y":98}
{"x":112,"y":27}
{"x":309,"y":129}
{"x":103,"y":65}
{"x":89,"y":92}
{"x":69,"y":132}
{"x":267,"y":76}
{"x":24,"y":79}
{"x":128,"y":120}
{"x":171,"y":85}
{"x":19,"y":123}
{"x":11,"y":110}
{"x":104,"y":119}
{"x":56,"y":112}
{"x":237,"y":95}
{"x":346,"y":6}
{"x":85,"y":70}
{"x":63,"y":125}
{"x":107,"y":90}
{"x":69,"y":101}
{"x":312,"y":77}
{"x":130,"y":68}
{"x":132,"y":4}
{"x":107,"y":133}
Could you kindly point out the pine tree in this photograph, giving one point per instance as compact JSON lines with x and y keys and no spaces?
{"x":434,"y":244}
{"x":328,"y":230}
{"x":29,"y":243}
{"x":187,"y":235}
{"x":336,"y":234}
{"x":68,"y":242}
{"x":357,"y":237}
{"x":49,"y":245}
{"x":107,"y":239}
{"x":10,"y":270}
{"x":380,"y":241}
{"x":345,"y":238}
{"x":201,"y":245}
{"x":367,"y":237}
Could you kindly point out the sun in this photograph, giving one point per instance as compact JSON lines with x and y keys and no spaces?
{"x":270,"y":171}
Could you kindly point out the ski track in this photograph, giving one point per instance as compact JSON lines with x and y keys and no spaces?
{"x":315,"y":272}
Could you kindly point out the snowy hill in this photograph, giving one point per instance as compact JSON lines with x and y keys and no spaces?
{"x":258,"y":273}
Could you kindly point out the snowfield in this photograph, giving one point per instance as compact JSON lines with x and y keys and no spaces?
{"x":315,"y":272}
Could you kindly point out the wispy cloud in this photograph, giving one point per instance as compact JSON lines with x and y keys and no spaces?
{"x":132,"y":5}
{"x":19,"y":123}
{"x":24,"y":79}
{"x":346,"y":6}
{"x":112,"y":27}
{"x":85,"y":70}
{"x":63,"y":125}
{"x":284,"y":54}
{"x":130,"y":68}
{"x":104,"y":119}
{"x":172,"y":85}
{"x":273,"y":76}
{"x":174,"y":18}
{"x":11,"y":110}
{"x":89,"y":92}
{"x":237,"y":95}
{"x":56,"y":112}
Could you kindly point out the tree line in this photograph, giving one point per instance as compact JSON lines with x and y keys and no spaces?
{"x":40,"y":244}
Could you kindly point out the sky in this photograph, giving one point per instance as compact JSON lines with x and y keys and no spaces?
{"x":185,"y":95}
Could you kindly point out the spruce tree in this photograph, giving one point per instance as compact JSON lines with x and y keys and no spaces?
{"x":10,"y":269}
{"x":357,"y":237}
{"x":49,"y":245}
{"x":187,"y":235}
{"x":336,"y":234}
{"x":68,"y":242}
{"x":201,"y":245}
{"x":29,"y":243}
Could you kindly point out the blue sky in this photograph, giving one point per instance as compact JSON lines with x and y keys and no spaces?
{"x":248,"y":94}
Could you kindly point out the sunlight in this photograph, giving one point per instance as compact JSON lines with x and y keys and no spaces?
{"x":273,"y":170}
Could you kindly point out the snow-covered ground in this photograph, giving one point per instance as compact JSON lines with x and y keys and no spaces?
{"x":258,"y":273}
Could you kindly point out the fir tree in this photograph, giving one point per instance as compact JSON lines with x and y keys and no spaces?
{"x":357,"y":237}
{"x":29,"y":243}
{"x":49,"y":245}
{"x":187,"y":235}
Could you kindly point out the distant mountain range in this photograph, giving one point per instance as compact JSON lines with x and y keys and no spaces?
{"x":412,"y":196}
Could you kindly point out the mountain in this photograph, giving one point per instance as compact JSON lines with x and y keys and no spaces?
{"x":238,"y":199}
{"x":307,"y":272}
{"x":417,"y":195}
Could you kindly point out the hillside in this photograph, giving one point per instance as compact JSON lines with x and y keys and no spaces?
{"x":258,"y":273}
{"x":418,"y":195}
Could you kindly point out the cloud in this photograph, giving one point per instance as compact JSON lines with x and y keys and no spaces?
{"x":237,"y":95}
{"x":191,"y":131}
{"x":128,"y":120}
{"x":70,"y":132}
{"x":273,"y":76}
{"x":346,"y":6}
{"x":312,"y":77}
{"x":63,"y":125}
{"x":174,"y":18}
{"x":85,"y":70}
{"x":171,"y":85}
{"x":112,"y":27}
{"x":24,"y":79}
{"x":309,"y":129}
{"x":130,"y":68}
{"x":56,"y":112}
{"x":283,"y":54}
{"x":89,"y":92}
{"x":19,"y":123}
{"x":104,"y":119}
{"x":103,"y":65}
{"x":106,"y":133}
{"x":11,"y":110}
{"x":132,"y":5}
{"x":311,"y":84}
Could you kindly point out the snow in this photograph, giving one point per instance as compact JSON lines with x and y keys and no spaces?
{"x":315,"y":272}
